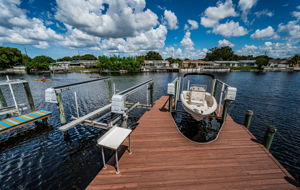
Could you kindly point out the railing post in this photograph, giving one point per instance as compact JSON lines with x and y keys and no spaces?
{"x":269,"y":136}
{"x":248,"y":118}
{"x":29,"y":96}
{"x":2,"y":99}
{"x":60,"y":105}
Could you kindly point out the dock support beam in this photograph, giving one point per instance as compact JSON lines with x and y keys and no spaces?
{"x":29,"y":96}
{"x":269,"y":136}
{"x":248,"y":118}
{"x":150,"y":92}
{"x":60,"y":105}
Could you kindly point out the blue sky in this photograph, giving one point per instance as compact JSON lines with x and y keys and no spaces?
{"x":178,"y":28}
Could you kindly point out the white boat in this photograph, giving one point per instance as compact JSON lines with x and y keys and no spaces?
{"x":198,"y":102}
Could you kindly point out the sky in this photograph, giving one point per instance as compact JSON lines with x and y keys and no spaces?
{"x":176,"y":28}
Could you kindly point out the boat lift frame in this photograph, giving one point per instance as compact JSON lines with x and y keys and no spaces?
{"x":175,"y":88}
{"x":88,"y":118}
{"x":59,"y":89}
{"x":17,"y":107}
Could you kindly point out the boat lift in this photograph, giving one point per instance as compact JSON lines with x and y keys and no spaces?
{"x":118,"y":106}
{"x":224,"y":96}
{"x":17,"y":108}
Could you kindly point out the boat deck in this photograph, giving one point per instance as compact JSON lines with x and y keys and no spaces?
{"x":163,"y":159}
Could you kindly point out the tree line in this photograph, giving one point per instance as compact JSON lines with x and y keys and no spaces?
{"x":10,"y":57}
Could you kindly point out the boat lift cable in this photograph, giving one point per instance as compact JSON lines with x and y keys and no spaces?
{"x":133,"y":89}
{"x":63,"y":87}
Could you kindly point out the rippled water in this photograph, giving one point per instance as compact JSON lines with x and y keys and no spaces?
{"x":40,"y":158}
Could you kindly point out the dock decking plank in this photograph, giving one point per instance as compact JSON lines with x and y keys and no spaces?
{"x":163,"y":159}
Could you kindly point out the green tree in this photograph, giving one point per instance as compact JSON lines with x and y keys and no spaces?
{"x":88,"y":57}
{"x":153,"y":55}
{"x":294,"y":60}
{"x":26,"y":59}
{"x":67,"y":58}
{"x":221,"y":54}
{"x":39,"y":63}
{"x":9,"y":57}
{"x":262,"y":61}
{"x":43,"y":59}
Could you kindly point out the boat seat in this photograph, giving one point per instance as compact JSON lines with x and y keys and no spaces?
{"x":197,"y":97}
{"x":13,"y":122}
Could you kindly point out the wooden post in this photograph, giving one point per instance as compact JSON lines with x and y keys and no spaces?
{"x":225,"y":109}
{"x":60,"y":105}
{"x":2,"y":99}
{"x":124,"y":121}
{"x":248,"y":118}
{"x":150,"y":92}
{"x":170,"y":102}
{"x":269,"y":136}
{"x":29,"y":96}
{"x":110,"y":89}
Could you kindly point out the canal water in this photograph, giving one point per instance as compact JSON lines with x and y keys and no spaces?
{"x":40,"y":158}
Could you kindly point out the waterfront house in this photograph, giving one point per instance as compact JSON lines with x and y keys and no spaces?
{"x":155,"y":65}
{"x":66,"y":65}
{"x":190,"y":64}
{"x":279,"y":63}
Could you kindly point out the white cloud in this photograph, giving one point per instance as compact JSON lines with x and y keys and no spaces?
{"x":224,"y":42}
{"x":170,"y":19}
{"x":187,"y":41}
{"x":124,"y":18}
{"x":19,"y":29}
{"x":75,"y":38}
{"x":192,"y":25}
{"x":245,"y":6}
{"x":276,"y":50}
{"x":296,"y":14}
{"x":42,"y":45}
{"x":153,"y":39}
{"x":267,"y":33}
{"x":229,"y":29}
{"x":264,"y":12}
{"x":212,"y":15}
{"x":292,"y":29}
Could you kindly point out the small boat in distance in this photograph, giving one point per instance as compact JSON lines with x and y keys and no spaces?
{"x":198,"y":102}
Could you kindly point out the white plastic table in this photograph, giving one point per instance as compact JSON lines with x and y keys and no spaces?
{"x":113,"y":139}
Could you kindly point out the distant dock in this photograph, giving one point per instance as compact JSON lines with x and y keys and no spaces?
{"x":164,"y":159}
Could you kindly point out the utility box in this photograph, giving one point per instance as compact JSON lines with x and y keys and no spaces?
{"x":230,"y":93}
{"x":171,"y":89}
{"x":118,"y":104}
{"x":50,"y":95}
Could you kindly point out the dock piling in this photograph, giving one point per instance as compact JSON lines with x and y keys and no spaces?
{"x":225,"y":109}
{"x":248,"y":118}
{"x":269,"y":136}
{"x":150,"y":92}
{"x":3,"y":102}
{"x":29,"y":96}
{"x":60,"y":105}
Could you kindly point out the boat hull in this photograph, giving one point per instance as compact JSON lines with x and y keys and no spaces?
{"x":196,"y":115}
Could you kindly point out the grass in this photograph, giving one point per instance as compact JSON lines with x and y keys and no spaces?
{"x":244,"y":68}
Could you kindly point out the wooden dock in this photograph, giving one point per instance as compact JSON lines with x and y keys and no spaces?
{"x":163,"y":159}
